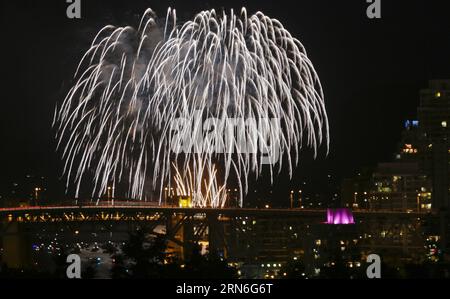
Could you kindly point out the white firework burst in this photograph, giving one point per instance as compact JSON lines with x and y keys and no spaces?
{"x":116,"y":124}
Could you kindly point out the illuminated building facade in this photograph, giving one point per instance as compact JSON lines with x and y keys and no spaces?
{"x":434,"y":121}
{"x":399,"y":186}
{"x":419,"y":177}
{"x":418,"y":180}
{"x":396,"y":186}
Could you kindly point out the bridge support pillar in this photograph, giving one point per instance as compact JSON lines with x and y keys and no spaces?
{"x":216,"y":235}
{"x":180,"y":234}
{"x":188,"y":238}
{"x":16,"y":246}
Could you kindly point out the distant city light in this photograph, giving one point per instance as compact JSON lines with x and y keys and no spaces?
{"x":411,"y":124}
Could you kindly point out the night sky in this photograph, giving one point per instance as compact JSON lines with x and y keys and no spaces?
{"x":371,"y":72}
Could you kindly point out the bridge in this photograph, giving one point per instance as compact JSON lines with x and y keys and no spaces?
{"x":30,"y":213}
{"x":143,"y":212}
{"x":238,"y":233}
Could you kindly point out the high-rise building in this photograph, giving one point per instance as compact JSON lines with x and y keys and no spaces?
{"x":419,"y":177}
{"x":434,"y":123}
{"x":434,"y":119}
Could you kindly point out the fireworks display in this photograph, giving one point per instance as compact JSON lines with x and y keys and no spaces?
{"x":168,"y":105}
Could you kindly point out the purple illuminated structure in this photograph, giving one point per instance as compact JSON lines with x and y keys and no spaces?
{"x":339,"y":216}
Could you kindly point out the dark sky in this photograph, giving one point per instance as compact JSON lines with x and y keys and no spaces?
{"x":371,"y":70}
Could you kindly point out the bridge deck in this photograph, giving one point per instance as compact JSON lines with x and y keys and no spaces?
{"x":192,"y":211}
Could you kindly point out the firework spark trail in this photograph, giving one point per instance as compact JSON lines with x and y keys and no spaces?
{"x":116,"y":123}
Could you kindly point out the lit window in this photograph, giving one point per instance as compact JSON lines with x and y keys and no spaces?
{"x":444,"y":124}
{"x":426,"y":206}
{"x":408,"y":149}
{"x":438,"y":94}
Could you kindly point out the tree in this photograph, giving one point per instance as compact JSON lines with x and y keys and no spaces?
{"x":200,"y":266}
{"x":145,"y":256}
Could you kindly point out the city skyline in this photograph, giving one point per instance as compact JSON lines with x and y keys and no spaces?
{"x":225,"y":139}
{"x":30,"y":136}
